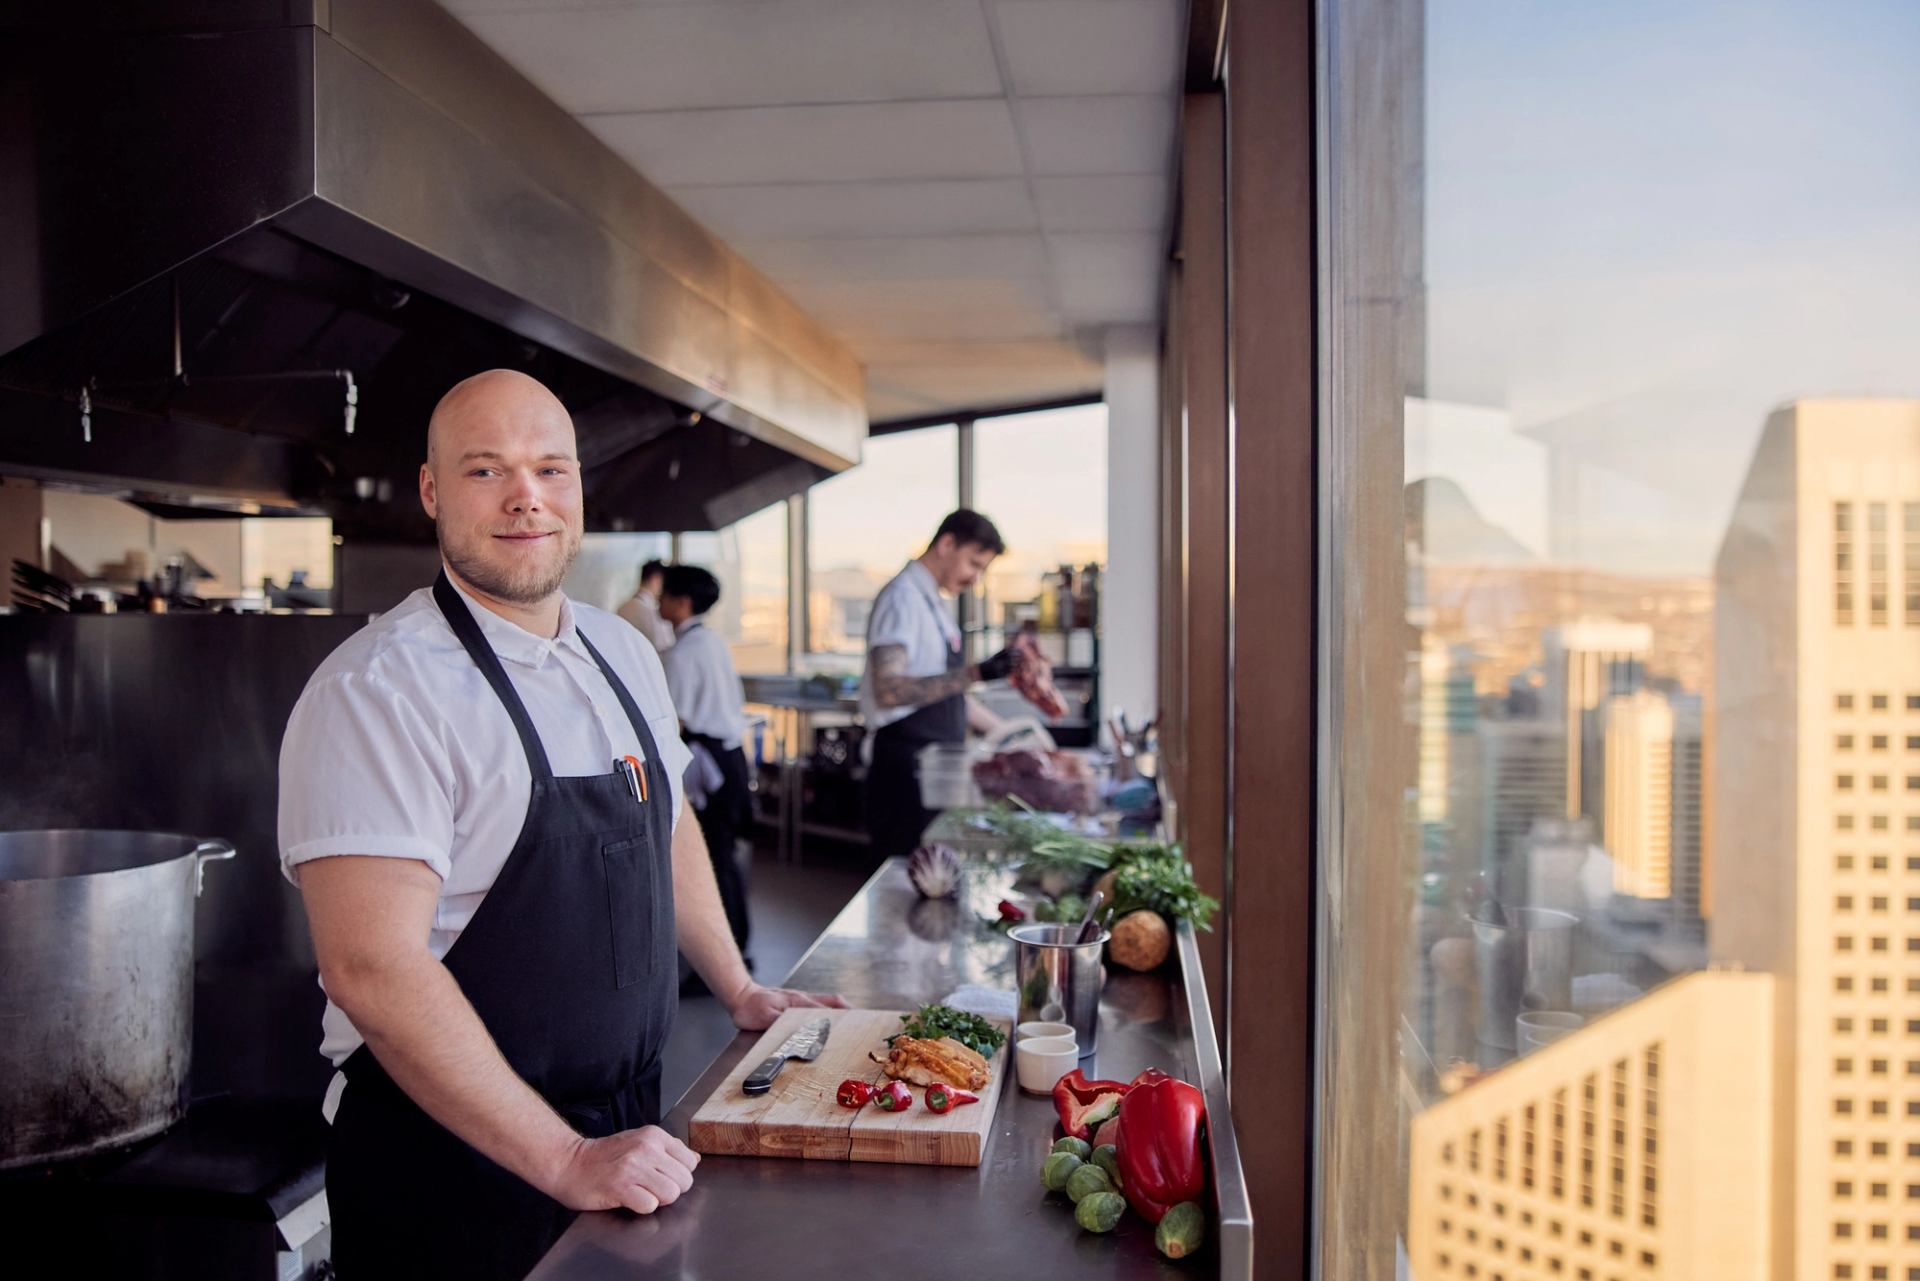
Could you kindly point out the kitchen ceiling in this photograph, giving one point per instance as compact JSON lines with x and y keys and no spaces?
{"x":966,"y":192}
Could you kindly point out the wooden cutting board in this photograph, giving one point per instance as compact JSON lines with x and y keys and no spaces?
{"x":800,"y":1117}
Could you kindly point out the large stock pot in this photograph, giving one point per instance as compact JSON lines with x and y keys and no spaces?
{"x":96,"y":987}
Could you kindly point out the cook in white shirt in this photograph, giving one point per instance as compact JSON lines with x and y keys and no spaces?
{"x":458,"y":807}
{"x":643,"y":608}
{"x":915,"y":688}
{"x":706,"y":692}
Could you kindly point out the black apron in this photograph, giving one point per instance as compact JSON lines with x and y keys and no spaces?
{"x":896,"y":819}
{"x":570,"y":964}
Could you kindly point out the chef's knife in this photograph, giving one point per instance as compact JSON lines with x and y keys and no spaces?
{"x":805,"y":1044}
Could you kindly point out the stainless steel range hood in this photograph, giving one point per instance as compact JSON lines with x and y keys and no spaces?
{"x":242,"y":188}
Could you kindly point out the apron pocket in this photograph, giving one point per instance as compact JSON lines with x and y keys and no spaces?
{"x":631,"y":896}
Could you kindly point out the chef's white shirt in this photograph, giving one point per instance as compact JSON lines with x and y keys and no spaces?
{"x":704,"y":685}
{"x":399,"y":748}
{"x":911,"y":613}
{"x":643,"y":611}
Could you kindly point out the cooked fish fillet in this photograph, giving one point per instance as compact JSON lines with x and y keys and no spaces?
{"x":920,"y":1062}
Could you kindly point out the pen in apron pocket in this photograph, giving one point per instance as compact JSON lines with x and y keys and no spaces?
{"x":637,"y":775}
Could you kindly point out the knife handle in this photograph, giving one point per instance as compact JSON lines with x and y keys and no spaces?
{"x":760,"y":1080}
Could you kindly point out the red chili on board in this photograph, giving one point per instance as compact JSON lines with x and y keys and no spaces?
{"x":894,"y":1096}
{"x":942,"y":1097}
{"x":855,"y":1094}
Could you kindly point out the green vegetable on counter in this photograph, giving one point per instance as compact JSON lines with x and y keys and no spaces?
{"x":1107,"y":1157}
{"x":1158,"y":878}
{"x":1182,"y":1231}
{"x":1086,"y":1181}
{"x":931,"y":1022}
{"x":1079,"y":1147}
{"x":1100,"y":1212}
{"x":1058,"y":1170}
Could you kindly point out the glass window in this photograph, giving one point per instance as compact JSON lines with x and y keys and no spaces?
{"x":866,"y":523}
{"x":749,"y":558}
{"x":1042,"y":478}
{"x":1675,"y":581}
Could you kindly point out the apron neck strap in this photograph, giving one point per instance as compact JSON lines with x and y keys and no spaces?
{"x":632,"y":709}
{"x":461,"y":619}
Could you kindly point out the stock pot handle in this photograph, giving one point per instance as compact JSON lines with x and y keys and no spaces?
{"x":210,"y":851}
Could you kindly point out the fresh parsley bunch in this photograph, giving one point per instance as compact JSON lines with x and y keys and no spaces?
{"x":1159,"y":877}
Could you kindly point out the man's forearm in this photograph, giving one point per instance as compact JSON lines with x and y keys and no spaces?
{"x":427,"y":1036}
{"x":979,"y":719}
{"x":892,"y":687}
{"x":700,"y":920}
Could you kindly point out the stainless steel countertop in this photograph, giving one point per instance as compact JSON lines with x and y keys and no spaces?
{"x":888,"y":949}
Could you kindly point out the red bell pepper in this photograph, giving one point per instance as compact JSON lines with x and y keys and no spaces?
{"x":855,"y":1093}
{"x":894,"y":1096}
{"x":1160,"y":1161}
{"x":942,"y":1097}
{"x":1083,"y":1105}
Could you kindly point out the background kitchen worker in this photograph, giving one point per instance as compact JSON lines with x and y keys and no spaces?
{"x":643,"y":607}
{"x":713,"y":723}
{"x":915,"y":688}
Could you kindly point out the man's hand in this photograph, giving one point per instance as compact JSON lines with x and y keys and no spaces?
{"x":1001,"y":665}
{"x":641,"y":1170}
{"x":754,"y":1008}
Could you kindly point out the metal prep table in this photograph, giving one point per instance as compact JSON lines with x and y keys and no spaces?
{"x":889,"y":949}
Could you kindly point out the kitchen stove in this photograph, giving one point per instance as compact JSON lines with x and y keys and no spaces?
{"x":234,"y":1191}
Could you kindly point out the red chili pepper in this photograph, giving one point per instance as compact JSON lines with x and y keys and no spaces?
{"x":942,"y":1097}
{"x":1083,"y":1105}
{"x":1160,"y":1161}
{"x":1010,"y":911}
{"x":855,"y":1094}
{"x":894,"y":1096}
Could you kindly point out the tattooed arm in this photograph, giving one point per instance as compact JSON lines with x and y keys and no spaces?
{"x":892,"y":687}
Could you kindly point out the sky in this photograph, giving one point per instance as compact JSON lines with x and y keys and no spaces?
{"x":1647,"y":224}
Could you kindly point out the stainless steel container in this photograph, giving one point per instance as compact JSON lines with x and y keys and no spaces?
{"x":96,"y":987}
{"x":1060,"y":980}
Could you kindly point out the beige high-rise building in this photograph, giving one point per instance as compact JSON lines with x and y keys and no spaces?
{"x":1587,"y":663}
{"x":1637,"y":1148}
{"x":1639,"y":793}
{"x":1815,"y":792}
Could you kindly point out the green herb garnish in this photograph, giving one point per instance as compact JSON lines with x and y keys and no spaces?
{"x":931,"y":1022}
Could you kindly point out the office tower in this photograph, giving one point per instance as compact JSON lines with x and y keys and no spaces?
{"x":1638,"y":792}
{"x":1587,"y":663}
{"x":1689,"y":812}
{"x":1637,"y":1146}
{"x":1523,"y":766}
{"x":1816,"y":831}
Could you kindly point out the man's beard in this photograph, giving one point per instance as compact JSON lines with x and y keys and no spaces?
{"x":528,"y":585}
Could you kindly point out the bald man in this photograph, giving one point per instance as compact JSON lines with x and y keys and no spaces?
{"x":480,"y":800}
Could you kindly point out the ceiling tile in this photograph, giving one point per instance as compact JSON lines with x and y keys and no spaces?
{"x":1092,"y":46}
{"x":1110,"y":299}
{"x":983,"y":385}
{"x":960,"y":311}
{"x":1104,"y":253}
{"x":817,"y":144}
{"x":1109,"y":135}
{"x":997,"y":257}
{"x":733,"y":53}
{"x":799,"y":211}
{"x":1125,"y":202}
{"x":563,"y":6}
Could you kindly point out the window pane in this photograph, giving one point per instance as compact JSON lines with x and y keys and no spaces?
{"x":1662,"y":462}
{"x":749,"y":558}
{"x":870,"y":520}
{"x":1042,"y":478}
